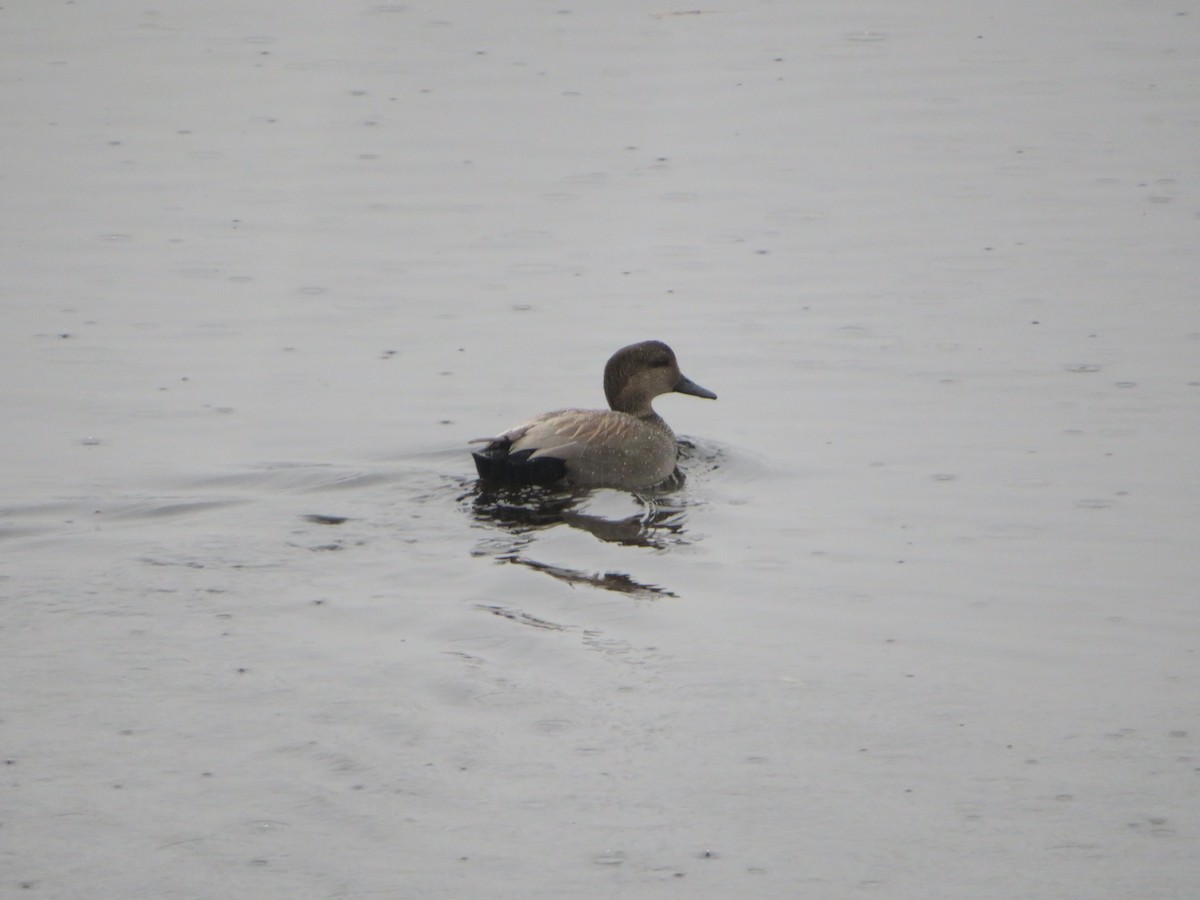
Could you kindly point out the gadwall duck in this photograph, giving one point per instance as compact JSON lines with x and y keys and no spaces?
{"x":627,"y":446}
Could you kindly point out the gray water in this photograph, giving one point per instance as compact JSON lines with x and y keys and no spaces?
{"x":920,"y":623}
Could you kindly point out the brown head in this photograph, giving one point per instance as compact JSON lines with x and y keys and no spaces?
{"x":636,"y":374}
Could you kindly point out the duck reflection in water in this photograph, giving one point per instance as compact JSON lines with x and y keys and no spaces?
{"x":522,"y":515}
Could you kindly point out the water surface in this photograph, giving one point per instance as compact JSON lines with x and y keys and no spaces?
{"x":924,"y":603}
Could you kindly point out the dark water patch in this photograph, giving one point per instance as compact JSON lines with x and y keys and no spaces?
{"x":170,"y":509}
{"x":215,"y":561}
{"x":620,"y":582}
{"x":322,"y":548}
{"x":318,"y":519}
{"x":521,"y":618}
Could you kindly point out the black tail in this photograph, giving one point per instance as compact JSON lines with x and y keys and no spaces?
{"x":495,"y":463}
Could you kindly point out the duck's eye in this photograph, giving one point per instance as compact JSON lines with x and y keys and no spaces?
{"x":661,"y":363}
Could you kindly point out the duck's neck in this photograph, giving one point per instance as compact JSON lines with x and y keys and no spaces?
{"x":643,"y":411}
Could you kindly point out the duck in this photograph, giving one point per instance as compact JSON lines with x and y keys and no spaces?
{"x":626,"y":446}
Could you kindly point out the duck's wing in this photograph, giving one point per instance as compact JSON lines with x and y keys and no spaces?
{"x":569,"y":433}
{"x":563,"y":434}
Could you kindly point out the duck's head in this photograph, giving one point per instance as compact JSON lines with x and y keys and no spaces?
{"x":637,"y":374}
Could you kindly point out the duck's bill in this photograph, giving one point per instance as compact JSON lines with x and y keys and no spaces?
{"x":685,"y":385}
